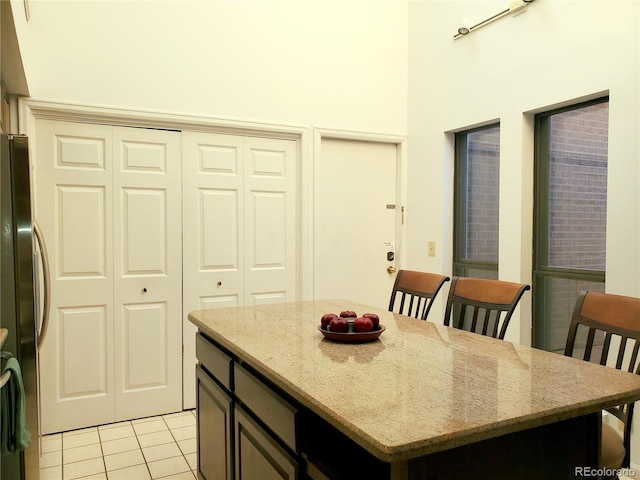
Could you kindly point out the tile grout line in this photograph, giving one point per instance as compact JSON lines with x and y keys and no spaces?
{"x":135,"y":435}
{"x":140,"y":448}
{"x":178,"y":445}
{"x":62,"y":454}
{"x":146,"y":464}
{"x":104,"y":463}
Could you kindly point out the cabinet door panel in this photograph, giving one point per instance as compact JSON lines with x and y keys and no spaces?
{"x":215,"y":434}
{"x":258,"y":456}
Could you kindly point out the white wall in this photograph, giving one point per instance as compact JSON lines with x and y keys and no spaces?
{"x":556,"y":52}
{"x":341,"y":64}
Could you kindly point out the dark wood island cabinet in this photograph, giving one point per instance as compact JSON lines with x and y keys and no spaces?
{"x":275,"y":400}
{"x":245,"y":429}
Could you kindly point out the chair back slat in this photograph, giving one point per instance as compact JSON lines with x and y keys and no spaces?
{"x":421,"y":305}
{"x":571,"y":338}
{"x":487,"y":321}
{"x":463,"y":313}
{"x":411,"y":311}
{"x":497,"y":300}
{"x":496,"y":323}
{"x":621,"y":352}
{"x":616,"y":320}
{"x":588,"y":347}
{"x":419,"y":289}
{"x":474,"y":319}
{"x":634,"y":358}
{"x":605,"y":348}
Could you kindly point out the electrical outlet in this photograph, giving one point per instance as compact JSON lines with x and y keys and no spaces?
{"x":432,"y":249}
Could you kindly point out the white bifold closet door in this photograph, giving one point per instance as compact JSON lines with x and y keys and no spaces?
{"x":108,"y":201}
{"x":240,"y":227}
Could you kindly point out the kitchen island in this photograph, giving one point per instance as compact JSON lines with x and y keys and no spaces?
{"x":423,"y":401}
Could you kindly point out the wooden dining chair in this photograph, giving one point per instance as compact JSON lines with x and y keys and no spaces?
{"x":482,"y":306}
{"x":416,"y":292}
{"x":598,"y":318}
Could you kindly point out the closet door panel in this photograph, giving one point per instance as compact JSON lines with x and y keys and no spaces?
{"x":145,"y":327}
{"x":213,"y":229}
{"x":81,"y":251}
{"x":144,"y":232}
{"x":219,"y":230}
{"x":270,"y":220}
{"x":84,"y":367}
{"x":148,"y":271}
{"x":73,"y":194}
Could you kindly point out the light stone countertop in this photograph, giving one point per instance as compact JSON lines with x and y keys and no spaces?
{"x":421,"y":387}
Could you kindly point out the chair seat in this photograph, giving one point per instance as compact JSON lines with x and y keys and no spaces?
{"x":612,"y":450}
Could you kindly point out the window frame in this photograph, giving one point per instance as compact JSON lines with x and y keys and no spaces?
{"x":541,"y":223}
{"x":460,"y":203}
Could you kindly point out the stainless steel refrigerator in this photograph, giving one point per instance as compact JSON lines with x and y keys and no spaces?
{"x":21,"y":309}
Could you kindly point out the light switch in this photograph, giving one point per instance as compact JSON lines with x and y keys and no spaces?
{"x":432,"y":249}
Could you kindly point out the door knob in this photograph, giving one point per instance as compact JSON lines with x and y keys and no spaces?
{"x":391,"y":269}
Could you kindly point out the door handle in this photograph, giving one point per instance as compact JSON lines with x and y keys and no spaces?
{"x":391,"y":269}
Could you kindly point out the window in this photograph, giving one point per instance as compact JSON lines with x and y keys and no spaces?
{"x":476,"y":194}
{"x":571,"y":150}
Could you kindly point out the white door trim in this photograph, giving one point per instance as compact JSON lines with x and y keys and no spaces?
{"x":401,"y":174}
{"x":31,"y":109}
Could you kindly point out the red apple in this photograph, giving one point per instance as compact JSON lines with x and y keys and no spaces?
{"x":374,"y":318}
{"x":339,"y":324}
{"x":326,"y":319}
{"x":348,"y":314}
{"x":363,"y":324}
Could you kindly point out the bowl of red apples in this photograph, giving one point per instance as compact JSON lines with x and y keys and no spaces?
{"x":348,"y":327}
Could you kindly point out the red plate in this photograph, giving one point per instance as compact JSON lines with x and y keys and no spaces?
{"x":352,"y":337}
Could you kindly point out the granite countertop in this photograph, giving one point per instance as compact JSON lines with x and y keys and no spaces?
{"x":421,"y":387}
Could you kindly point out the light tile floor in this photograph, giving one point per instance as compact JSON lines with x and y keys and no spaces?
{"x":162,"y":447}
{"x":150,"y":448}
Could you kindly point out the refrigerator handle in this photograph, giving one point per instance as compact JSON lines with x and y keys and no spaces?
{"x":46,"y":283}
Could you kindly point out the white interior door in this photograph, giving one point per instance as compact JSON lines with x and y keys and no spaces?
{"x":108,"y":210}
{"x":148,"y":272}
{"x":270,"y":220}
{"x":72,"y":177}
{"x":213,"y":260}
{"x":355,"y":221}
{"x":239,"y":212}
